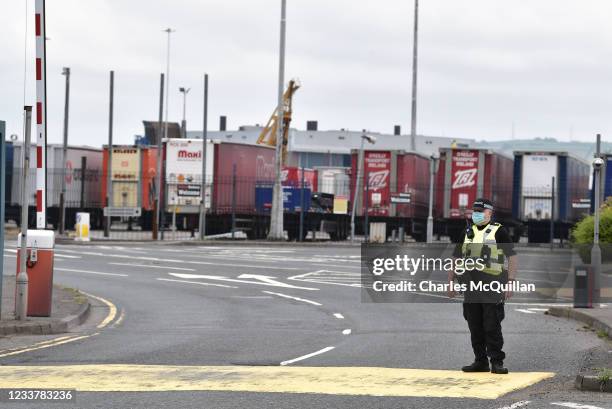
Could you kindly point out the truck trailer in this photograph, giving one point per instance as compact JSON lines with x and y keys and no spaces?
{"x":536,"y":200}
{"x":393,"y":189}
{"x":464,"y":175}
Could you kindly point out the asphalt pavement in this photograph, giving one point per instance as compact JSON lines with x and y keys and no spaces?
{"x":278,"y":326}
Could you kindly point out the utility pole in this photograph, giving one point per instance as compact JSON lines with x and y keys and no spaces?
{"x":360,"y":158}
{"x":184,"y":91}
{"x":2,"y":198}
{"x":413,"y":122}
{"x":204,"y":156}
{"x":109,"y":177}
{"x":158,"y":197}
{"x":21,"y":301}
{"x":62,"y":222}
{"x":596,"y":250}
{"x":432,"y":173}
{"x":277,"y":231}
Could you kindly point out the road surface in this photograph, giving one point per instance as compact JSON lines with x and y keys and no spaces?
{"x":277,"y":326}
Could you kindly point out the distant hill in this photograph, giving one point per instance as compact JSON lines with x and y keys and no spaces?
{"x":584,"y":150}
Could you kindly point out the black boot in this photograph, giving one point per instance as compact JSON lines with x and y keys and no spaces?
{"x":498,"y":367}
{"x":477,"y":366}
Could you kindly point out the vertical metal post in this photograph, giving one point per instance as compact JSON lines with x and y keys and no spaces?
{"x":158,"y":197}
{"x":552,"y":214}
{"x":62,"y":221}
{"x":83,"y":179}
{"x":356,"y":191}
{"x":2,"y":199}
{"x":109,"y":178}
{"x":233,"y":201}
{"x":302,"y":208}
{"x":366,"y":181}
{"x":432,"y":172}
{"x":204,"y":157}
{"x":596,"y":250}
{"x":21,"y":301}
{"x":276,"y":214}
{"x":414,"y":77}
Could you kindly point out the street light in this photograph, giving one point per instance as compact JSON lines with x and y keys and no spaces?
{"x":371,"y":139}
{"x":62,"y":221}
{"x":185,"y":91}
{"x":168,"y":31}
{"x":433,"y":168}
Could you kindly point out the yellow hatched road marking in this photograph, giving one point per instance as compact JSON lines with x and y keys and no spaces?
{"x":321,"y":380}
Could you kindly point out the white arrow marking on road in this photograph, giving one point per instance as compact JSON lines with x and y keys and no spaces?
{"x":270,"y":280}
{"x":264,"y":280}
{"x":575,"y":405}
{"x":196,"y":282}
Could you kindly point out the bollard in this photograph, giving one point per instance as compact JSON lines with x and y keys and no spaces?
{"x":393,"y":236}
{"x":401,"y":234}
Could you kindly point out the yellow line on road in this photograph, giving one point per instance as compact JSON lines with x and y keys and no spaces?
{"x":52,"y":343}
{"x":112,"y":313}
{"x":320,"y":380}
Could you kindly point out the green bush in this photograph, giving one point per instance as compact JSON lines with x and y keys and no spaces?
{"x":582,"y":234}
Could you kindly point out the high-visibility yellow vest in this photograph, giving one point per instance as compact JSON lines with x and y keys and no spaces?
{"x":483,"y":245}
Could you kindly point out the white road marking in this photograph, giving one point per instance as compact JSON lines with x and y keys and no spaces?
{"x":346,"y":331}
{"x":338,"y":315}
{"x":152,"y":266}
{"x":66,"y":255}
{"x":294,"y":298}
{"x":300,"y":358}
{"x":169,"y":260}
{"x":525,"y":311}
{"x":343,"y":278}
{"x":517,"y":404}
{"x":89,"y":272}
{"x":233,"y":280}
{"x":538,"y":309}
{"x":196,"y":282}
{"x":575,"y":405}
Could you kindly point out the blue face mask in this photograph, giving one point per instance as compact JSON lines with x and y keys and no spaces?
{"x":478,"y":217}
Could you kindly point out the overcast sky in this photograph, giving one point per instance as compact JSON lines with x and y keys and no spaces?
{"x":544,"y":65}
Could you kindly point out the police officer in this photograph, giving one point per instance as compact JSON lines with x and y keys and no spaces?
{"x":484,"y":310}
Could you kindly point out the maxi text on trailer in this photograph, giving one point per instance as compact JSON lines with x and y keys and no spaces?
{"x":533,"y":202}
{"x":465,"y":175}
{"x":396,"y":192}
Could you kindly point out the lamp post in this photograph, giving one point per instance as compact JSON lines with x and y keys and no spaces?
{"x":413,"y":119}
{"x":277,"y":231}
{"x":371,"y":139}
{"x":184,"y":91}
{"x":596,"y":250}
{"x":62,"y":221}
{"x":433,"y":168}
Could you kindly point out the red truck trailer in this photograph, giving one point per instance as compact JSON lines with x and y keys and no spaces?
{"x":396,"y":192}
{"x":464,"y":175}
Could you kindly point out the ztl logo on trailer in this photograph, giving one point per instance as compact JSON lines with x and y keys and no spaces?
{"x":465,"y":178}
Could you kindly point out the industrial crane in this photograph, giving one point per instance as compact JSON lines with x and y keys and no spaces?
{"x":269,"y":132}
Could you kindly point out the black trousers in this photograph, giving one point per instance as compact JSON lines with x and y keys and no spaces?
{"x":484,"y":321}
